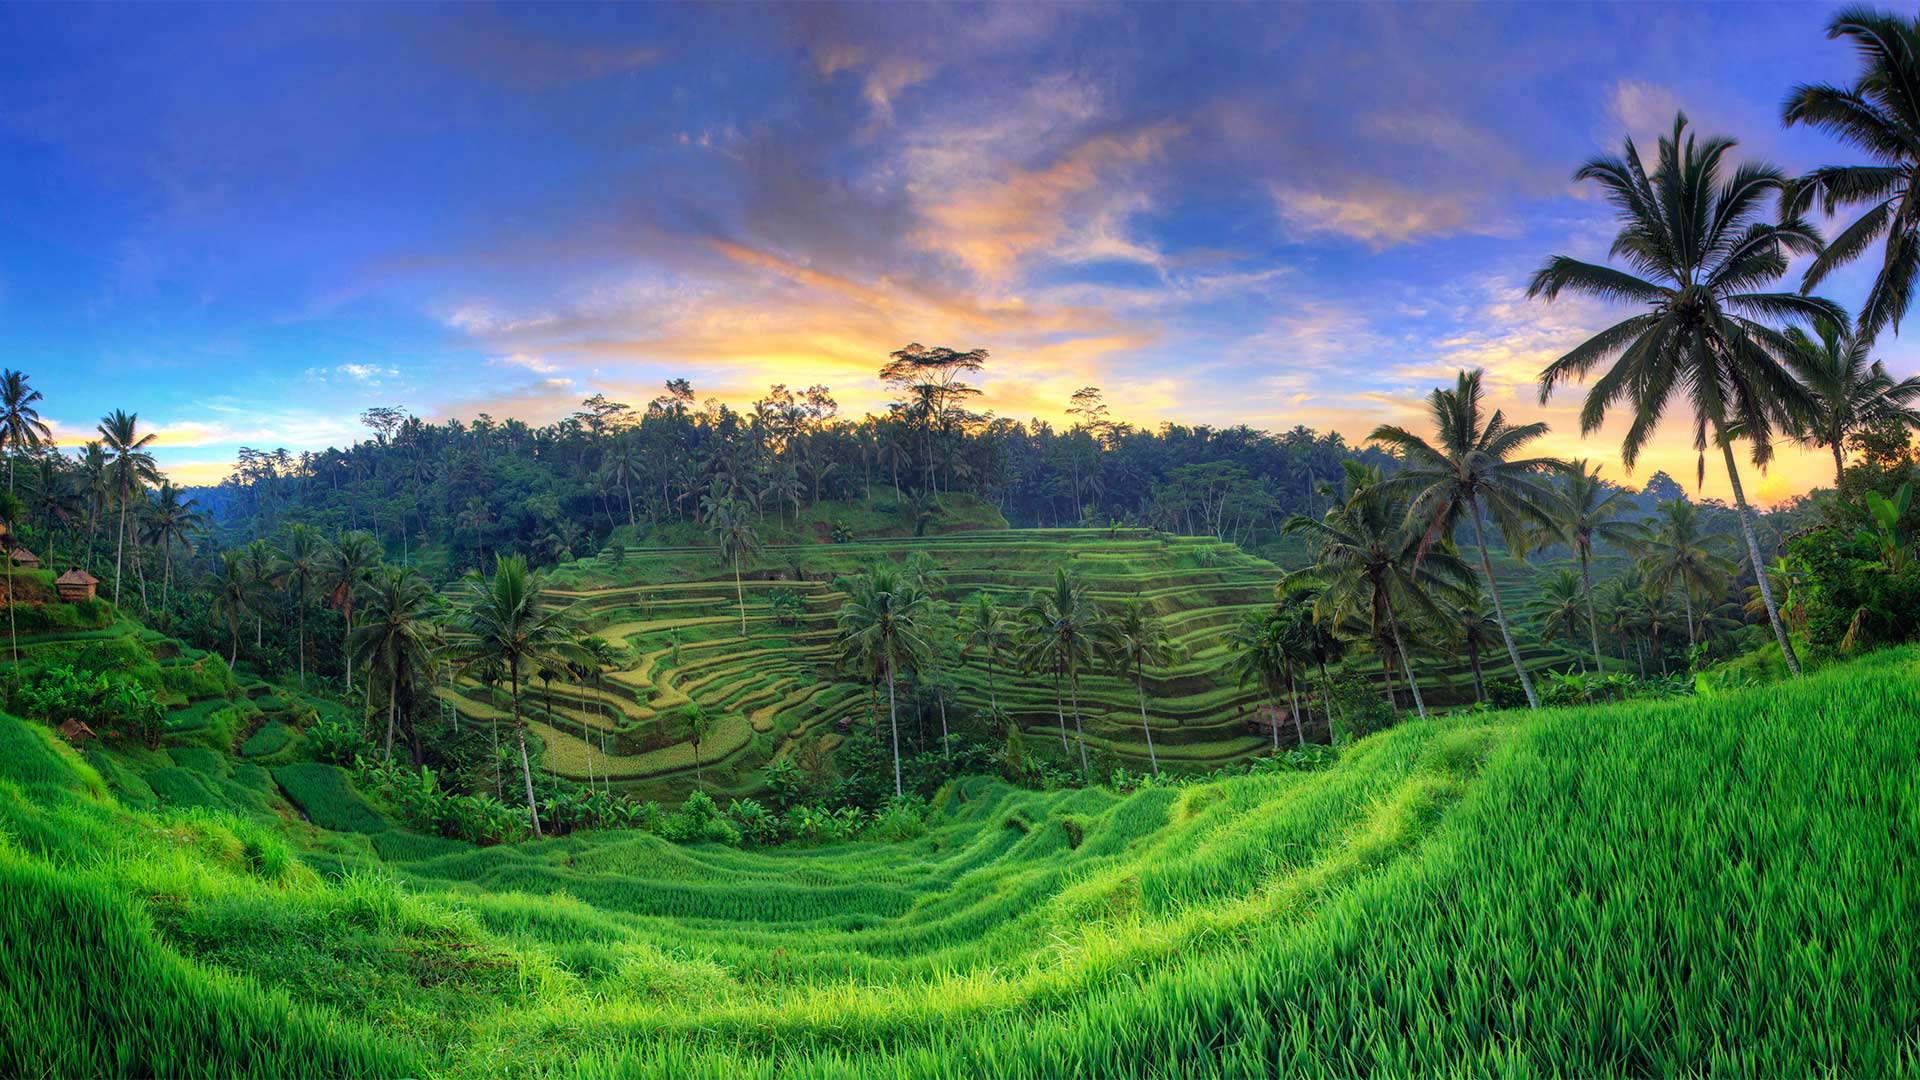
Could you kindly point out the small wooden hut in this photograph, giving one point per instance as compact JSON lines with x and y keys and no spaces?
{"x":22,"y":557}
{"x":77,"y":732}
{"x":76,"y":585}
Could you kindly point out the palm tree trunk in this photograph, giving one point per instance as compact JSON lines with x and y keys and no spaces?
{"x":1686,"y":597}
{"x":740,"y":592}
{"x":1386,"y":672}
{"x":121,"y":549}
{"x":346,"y":651}
{"x":1479,"y":676}
{"x":1753,"y":553}
{"x":893,"y":718}
{"x":393,"y":700}
{"x":1299,"y":732}
{"x":940,"y":699}
{"x":1073,"y":689}
{"x":520,"y":732}
{"x":1140,"y":692}
{"x":300,"y":609}
{"x":1326,"y":690}
{"x":1406,"y":662}
{"x":1060,"y":711}
{"x":13,"y":633}
{"x":1273,"y":718}
{"x":1839,"y":468}
{"x":1499,"y":612}
{"x":1593,"y":621}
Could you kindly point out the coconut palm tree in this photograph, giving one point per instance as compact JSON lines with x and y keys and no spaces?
{"x":590,"y":666}
{"x":881,"y":631}
{"x":1880,"y":116}
{"x":232,"y":598}
{"x":130,"y":467}
{"x":344,"y":572}
{"x":300,"y":565}
{"x":624,"y":463}
{"x":1697,"y":244}
{"x":506,"y":620}
{"x":1272,"y":648}
{"x":732,"y":530}
{"x":1138,"y":640}
{"x":695,"y":723}
{"x":20,"y":425}
{"x":1850,"y":393}
{"x":172,"y":520}
{"x":1065,"y":633}
{"x":1590,"y":511}
{"x":1369,"y":564}
{"x":261,"y":569}
{"x":1472,"y":627}
{"x":1471,"y":472}
{"x":397,"y":637}
{"x":984,"y":626}
{"x":11,"y":511}
{"x":1675,"y":554}
{"x":1559,"y":607}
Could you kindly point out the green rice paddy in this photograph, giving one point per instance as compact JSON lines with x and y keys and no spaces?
{"x":1699,"y":886}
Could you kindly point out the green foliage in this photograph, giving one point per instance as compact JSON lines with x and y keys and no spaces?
{"x":324,"y":795}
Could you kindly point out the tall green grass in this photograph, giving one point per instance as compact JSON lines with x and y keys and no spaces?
{"x":1701,"y":886}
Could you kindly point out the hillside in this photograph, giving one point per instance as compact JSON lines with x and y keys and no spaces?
{"x":676,"y":611}
{"x":1642,"y":888}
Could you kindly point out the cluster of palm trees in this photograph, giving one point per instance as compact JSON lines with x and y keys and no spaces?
{"x":891,"y":625}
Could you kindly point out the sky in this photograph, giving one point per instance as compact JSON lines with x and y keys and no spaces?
{"x":248,"y":223}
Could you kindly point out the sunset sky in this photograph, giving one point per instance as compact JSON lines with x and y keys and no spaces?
{"x":248,"y":223}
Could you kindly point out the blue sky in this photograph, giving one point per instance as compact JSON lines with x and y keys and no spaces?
{"x":248,"y":223}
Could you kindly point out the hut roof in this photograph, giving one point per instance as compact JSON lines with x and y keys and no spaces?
{"x":76,"y":730}
{"x":76,"y":576}
{"x":22,"y":555}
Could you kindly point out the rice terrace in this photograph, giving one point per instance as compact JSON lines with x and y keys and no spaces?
{"x":959,"y":540}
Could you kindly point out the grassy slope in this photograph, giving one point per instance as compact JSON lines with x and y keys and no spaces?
{"x":1723,"y":884}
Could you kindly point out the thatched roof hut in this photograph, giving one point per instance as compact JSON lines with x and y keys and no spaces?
{"x":22,"y":557}
{"x":76,"y":732}
{"x":76,"y":585}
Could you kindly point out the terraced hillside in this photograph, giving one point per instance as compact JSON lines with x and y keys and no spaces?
{"x":775,"y":689}
{"x":675,"y":611}
{"x":1715,"y":899}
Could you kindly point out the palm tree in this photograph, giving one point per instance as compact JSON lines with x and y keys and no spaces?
{"x":232,"y":598}
{"x":172,"y":520}
{"x":1559,"y":607}
{"x":1138,"y":640}
{"x":506,"y":620}
{"x":343,"y":575}
{"x":397,"y":637}
{"x":880,"y":630}
{"x":732,"y":531}
{"x":1472,"y":473}
{"x":300,"y":566}
{"x":624,"y":463}
{"x":1065,"y":633}
{"x":1696,"y":245}
{"x":261,"y":570}
{"x":590,"y":667}
{"x":1473,"y":628}
{"x":131,"y":466}
{"x":1880,"y":116}
{"x":1850,"y":394}
{"x":1263,"y":653}
{"x":1676,"y":555}
{"x":1590,"y":510}
{"x":20,"y":425}
{"x":695,"y":724}
{"x":1369,"y":563}
{"x":984,"y":626}
{"x":11,"y":511}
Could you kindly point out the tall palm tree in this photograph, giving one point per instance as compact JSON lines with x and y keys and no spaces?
{"x":881,"y":631}
{"x":1697,"y":244}
{"x":1258,"y":655}
{"x":625,"y":464}
{"x":1471,"y":471}
{"x":172,"y":520}
{"x":1138,"y":640}
{"x":695,"y":723}
{"x":1675,"y":554}
{"x":344,"y":572}
{"x":130,"y":467}
{"x":506,"y":620}
{"x":300,"y":566}
{"x":261,"y":570}
{"x":984,"y":626}
{"x":232,"y":598}
{"x":590,"y":666}
{"x":1850,"y":393}
{"x":732,"y":530}
{"x":20,"y":425}
{"x":1590,"y":511}
{"x":397,"y":636}
{"x":1065,"y":632}
{"x":12,"y":509}
{"x":1473,"y":628}
{"x":1880,"y":116}
{"x":1369,"y":564}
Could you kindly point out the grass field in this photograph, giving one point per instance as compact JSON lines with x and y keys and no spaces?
{"x":1698,"y":886}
